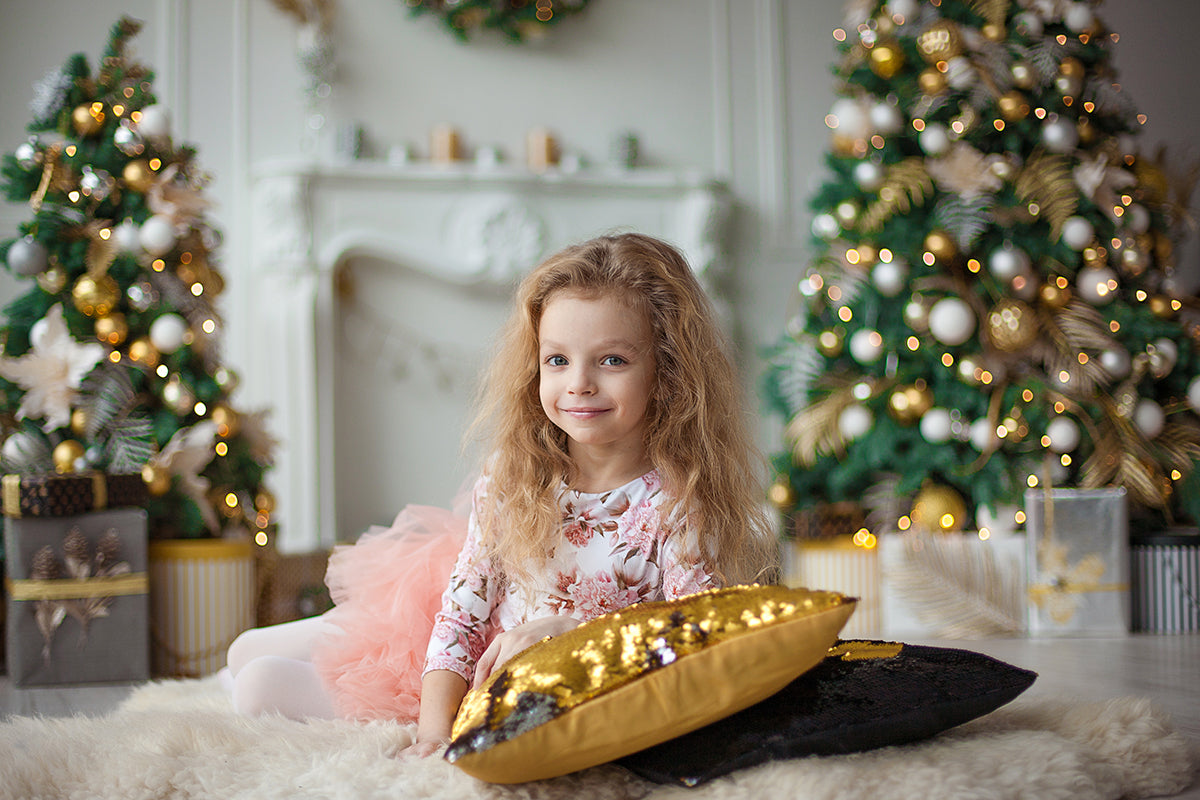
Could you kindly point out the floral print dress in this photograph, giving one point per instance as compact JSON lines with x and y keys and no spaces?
{"x":615,"y":551}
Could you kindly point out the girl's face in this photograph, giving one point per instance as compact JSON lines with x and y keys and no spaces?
{"x":596,"y":373}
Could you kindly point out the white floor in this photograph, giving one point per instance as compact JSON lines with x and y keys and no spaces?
{"x":1164,"y":668}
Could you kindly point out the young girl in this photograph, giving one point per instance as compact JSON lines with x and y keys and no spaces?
{"x":621,"y":471}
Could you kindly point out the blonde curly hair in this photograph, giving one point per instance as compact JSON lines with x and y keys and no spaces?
{"x":696,"y":435}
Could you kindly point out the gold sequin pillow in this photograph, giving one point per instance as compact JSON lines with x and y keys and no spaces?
{"x":629,"y":680}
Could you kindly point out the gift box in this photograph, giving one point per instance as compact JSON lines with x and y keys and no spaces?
{"x":840,"y":564}
{"x":78,"y":598}
{"x":53,"y":495}
{"x":1077,"y":550}
{"x":1165,"y":567}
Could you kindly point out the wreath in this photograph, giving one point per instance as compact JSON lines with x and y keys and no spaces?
{"x":519,"y":20}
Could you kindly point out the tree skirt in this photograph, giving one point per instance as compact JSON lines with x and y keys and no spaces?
{"x":180,"y":739}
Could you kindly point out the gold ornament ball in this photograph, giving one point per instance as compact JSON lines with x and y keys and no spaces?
{"x":970,"y":369}
{"x":138,"y":175}
{"x":157,"y":480}
{"x":941,"y":244}
{"x":97,"y":296}
{"x":931,"y":81}
{"x":938,"y":508}
{"x":143,"y":352}
{"x":1013,"y":106}
{"x":53,"y":279}
{"x":66,"y":453}
{"x":1012,"y":325}
{"x":1054,"y":296}
{"x":993,"y":32}
{"x":227,"y":420}
{"x":1094,"y":256}
{"x":829,"y":343}
{"x":781,"y":494}
{"x":907,"y":404}
{"x":1071,"y":67}
{"x":868,"y":256}
{"x":214,"y":284}
{"x":86,"y":121}
{"x":886,"y":59}
{"x":846,"y":213}
{"x":79,"y":421}
{"x":940,"y":42}
{"x":1160,"y":306}
{"x":916,"y":313}
{"x":178,"y":397}
{"x":112,"y":328}
{"x":1087,"y":131}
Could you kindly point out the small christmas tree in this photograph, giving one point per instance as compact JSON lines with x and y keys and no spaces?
{"x":992,"y":305}
{"x":111,"y":360}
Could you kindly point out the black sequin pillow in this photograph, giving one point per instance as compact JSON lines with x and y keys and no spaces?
{"x":863,"y":695}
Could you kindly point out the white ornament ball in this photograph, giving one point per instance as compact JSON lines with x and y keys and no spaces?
{"x":1116,"y":362}
{"x":855,"y":420}
{"x":157,"y":235}
{"x":903,"y":8}
{"x":127,"y":236}
{"x":1193,"y":394}
{"x":890,"y":277}
{"x":866,"y":346}
{"x":1079,"y":17}
{"x":825,"y":226}
{"x":852,"y":118}
{"x":19,"y":447}
{"x":1077,"y":233}
{"x":935,"y":139}
{"x":1095,"y":285}
{"x":27,"y":256}
{"x":1137,"y":218}
{"x":982,"y":434}
{"x":951,"y":321}
{"x":936,"y":425}
{"x":168,"y":332}
{"x":886,"y":118}
{"x":1008,"y":262}
{"x":1063,"y":433}
{"x":959,"y":73}
{"x":868,"y":175}
{"x":1168,"y":351}
{"x":1029,"y":24}
{"x":155,"y":123}
{"x":1060,"y":136}
{"x":1148,"y":417}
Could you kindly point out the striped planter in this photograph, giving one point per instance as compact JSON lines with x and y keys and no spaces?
{"x":838,"y":564}
{"x":202,"y":595}
{"x":1165,"y":569}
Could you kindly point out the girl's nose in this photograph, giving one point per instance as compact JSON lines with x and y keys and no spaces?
{"x":581,"y":382}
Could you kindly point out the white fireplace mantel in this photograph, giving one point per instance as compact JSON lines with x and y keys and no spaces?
{"x":459,"y":224}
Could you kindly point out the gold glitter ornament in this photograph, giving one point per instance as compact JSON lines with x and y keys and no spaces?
{"x":97,"y":296}
{"x":1013,"y":106}
{"x":1023,"y":75}
{"x":830,"y":343}
{"x":53,"y":279}
{"x":886,"y":59}
{"x":79,"y":422}
{"x":907,"y":404}
{"x":138,"y":175}
{"x":1054,"y":296}
{"x":87,"y":119}
{"x":609,"y":679}
{"x":993,"y":32}
{"x":970,"y":370}
{"x":916,"y":313}
{"x":1071,"y":67}
{"x":227,"y":420}
{"x":143,"y":352}
{"x":931,"y":81}
{"x":941,"y":245}
{"x":1160,"y":306}
{"x":65,"y":454}
{"x":940,"y":42}
{"x":938,"y":509}
{"x":1012,"y":325}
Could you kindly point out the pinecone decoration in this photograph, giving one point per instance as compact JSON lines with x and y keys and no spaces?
{"x":45,"y":565}
{"x":108,"y":549}
{"x":75,"y":549}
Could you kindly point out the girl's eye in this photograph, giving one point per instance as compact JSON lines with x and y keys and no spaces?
{"x":613,"y":361}
{"x":556,"y":361}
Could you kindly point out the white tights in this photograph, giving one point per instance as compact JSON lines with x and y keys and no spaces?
{"x":272,"y":671}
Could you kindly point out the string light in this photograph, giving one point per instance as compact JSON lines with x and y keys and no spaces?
{"x":222,"y":449}
{"x":1019,"y":517}
{"x":845,"y":314}
{"x":261,"y":538}
{"x":1032,"y":481}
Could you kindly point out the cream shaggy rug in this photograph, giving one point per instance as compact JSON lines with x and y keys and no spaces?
{"x":180,"y":739}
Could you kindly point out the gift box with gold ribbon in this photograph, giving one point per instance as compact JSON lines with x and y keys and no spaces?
{"x":78,"y":598}
{"x":53,"y":495}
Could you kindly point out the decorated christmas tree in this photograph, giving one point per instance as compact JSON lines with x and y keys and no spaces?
{"x":992,"y":304}
{"x":111,"y":360}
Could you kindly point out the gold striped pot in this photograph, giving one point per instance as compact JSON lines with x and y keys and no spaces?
{"x":202,"y":595}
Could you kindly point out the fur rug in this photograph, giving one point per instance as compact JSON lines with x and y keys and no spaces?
{"x":180,"y":739}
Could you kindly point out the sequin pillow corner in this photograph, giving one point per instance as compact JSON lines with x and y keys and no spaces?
{"x":635,"y":678}
{"x":863,"y":695}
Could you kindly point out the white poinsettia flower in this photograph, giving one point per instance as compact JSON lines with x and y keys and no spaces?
{"x":52,"y":370}
{"x":186,"y":455}
{"x":966,"y":172}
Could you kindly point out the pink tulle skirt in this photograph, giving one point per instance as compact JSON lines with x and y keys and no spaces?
{"x":386,"y":587}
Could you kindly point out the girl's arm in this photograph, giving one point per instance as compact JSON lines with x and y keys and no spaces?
{"x":509,"y":643}
{"x":442,"y":692}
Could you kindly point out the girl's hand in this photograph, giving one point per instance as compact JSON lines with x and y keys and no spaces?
{"x":509,"y":643}
{"x":423,"y":749}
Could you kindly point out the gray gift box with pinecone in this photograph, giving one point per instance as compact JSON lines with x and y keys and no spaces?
{"x":78,"y":602}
